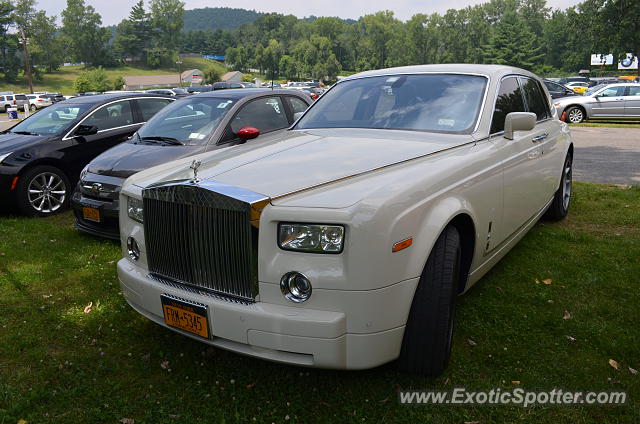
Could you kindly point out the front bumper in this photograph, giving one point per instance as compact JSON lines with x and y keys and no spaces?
{"x":280,"y":333}
{"x":107,"y":205}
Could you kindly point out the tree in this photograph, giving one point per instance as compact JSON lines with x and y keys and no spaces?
{"x":287,"y":67}
{"x":167,"y":18}
{"x":134,"y":35}
{"x":93,"y":80}
{"x":46,"y":47}
{"x":211,"y":75}
{"x":84,"y":35}
{"x":512,"y":43}
{"x":623,"y":15}
{"x":8,"y":43}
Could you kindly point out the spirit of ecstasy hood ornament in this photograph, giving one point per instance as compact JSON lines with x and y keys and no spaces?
{"x":195,"y":165}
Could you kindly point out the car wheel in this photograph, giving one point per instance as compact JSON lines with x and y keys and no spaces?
{"x":426,"y":345}
{"x":43,"y":191}
{"x":33,"y":108}
{"x":575,"y":115}
{"x":562,"y":198}
{"x":6,"y":109}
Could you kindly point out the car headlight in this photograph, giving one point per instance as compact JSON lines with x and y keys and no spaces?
{"x":312,"y":238}
{"x":135,"y":209}
{"x":84,"y":171}
{"x":4,"y":156}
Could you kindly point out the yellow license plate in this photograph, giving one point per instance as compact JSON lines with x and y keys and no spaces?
{"x":187,"y":316}
{"x":92,"y":214}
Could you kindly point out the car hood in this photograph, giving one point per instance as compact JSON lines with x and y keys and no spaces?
{"x":10,"y":142}
{"x":298,"y":160}
{"x":126,"y":159}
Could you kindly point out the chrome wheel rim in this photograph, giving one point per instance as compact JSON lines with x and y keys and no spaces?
{"x":575,"y":116}
{"x":46,"y":192}
{"x":566,"y":185}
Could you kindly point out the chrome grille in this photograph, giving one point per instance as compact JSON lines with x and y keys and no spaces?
{"x":202,"y":238}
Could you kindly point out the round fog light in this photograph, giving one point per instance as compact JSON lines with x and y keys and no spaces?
{"x":133,"y":249}
{"x":295,"y":286}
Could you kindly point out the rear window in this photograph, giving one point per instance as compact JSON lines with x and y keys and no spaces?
{"x":447,"y":103}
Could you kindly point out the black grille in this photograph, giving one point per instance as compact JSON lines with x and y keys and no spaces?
{"x":202,"y":239}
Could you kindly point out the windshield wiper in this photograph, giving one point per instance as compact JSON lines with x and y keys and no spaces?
{"x":25,"y":132}
{"x":167,"y":140}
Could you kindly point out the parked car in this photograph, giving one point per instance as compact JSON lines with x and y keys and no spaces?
{"x":199,"y":89}
{"x":344,"y":241}
{"x":176,"y":92}
{"x":55,"y":97}
{"x":41,"y":157}
{"x":13,"y":100}
{"x":606,"y":101}
{"x":221,"y":85}
{"x":566,"y":81}
{"x":578,"y":87}
{"x":38,"y":101}
{"x":558,"y":90}
{"x":201,"y":123}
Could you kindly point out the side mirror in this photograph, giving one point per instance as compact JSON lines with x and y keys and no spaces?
{"x":247,"y":133}
{"x":518,"y":121}
{"x":86,"y":130}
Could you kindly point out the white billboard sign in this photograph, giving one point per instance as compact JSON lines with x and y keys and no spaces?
{"x":628,"y":61}
{"x":601,"y":59}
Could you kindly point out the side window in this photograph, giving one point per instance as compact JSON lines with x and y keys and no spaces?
{"x":535,"y":98}
{"x":634,"y":91}
{"x":612,"y":92}
{"x":266,"y":114}
{"x":149,"y":107}
{"x":509,"y":100}
{"x":235,"y":85}
{"x":111,"y":116}
{"x":297,"y":106}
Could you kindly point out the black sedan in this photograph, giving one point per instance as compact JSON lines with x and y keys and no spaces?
{"x":41,"y":157}
{"x":192,"y":125}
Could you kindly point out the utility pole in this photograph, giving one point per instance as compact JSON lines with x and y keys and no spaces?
{"x":27,"y":66}
{"x":179,"y":63}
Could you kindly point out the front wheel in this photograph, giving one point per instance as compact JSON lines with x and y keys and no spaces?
{"x":33,"y":108}
{"x":562,"y":198}
{"x":426,"y":345}
{"x":575,"y":115}
{"x":42,"y":191}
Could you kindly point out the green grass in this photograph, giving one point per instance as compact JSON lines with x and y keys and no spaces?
{"x":62,"y":80}
{"x":60,"y":365}
{"x":608,"y":124}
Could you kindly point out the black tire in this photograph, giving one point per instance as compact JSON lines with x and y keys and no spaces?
{"x":562,"y":198}
{"x":55,"y":198}
{"x":6,"y":108}
{"x":426,"y":345}
{"x":575,"y":115}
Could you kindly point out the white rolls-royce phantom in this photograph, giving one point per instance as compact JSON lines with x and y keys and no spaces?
{"x":344,"y":242}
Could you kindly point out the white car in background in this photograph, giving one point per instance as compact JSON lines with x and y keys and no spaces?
{"x":344,"y":241}
{"x":38,"y":101}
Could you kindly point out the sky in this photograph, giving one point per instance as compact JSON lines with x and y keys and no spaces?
{"x":113,"y":11}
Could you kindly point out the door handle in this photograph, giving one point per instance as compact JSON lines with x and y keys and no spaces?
{"x":539,"y":138}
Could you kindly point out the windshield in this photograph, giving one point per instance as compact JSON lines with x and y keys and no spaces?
{"x":593,"y":89}
{"x":188,"y":121}
{"x":52,"y":120}
{"x":447,"y":103}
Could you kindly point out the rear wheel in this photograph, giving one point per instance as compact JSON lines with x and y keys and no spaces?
{"x":426,"y":345}
{"x":33,"y":108}
{"x":42,"y":191}
{"x":575,"y":115}
{"x":562,"y":198}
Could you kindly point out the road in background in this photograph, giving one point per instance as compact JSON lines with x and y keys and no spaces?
{"x":606,"y":155}
{"x":602,"y":155}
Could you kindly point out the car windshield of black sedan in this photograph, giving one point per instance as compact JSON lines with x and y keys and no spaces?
{"x":52,"y":120}
{"x":448,"y":103}
{"x":187,"y":121}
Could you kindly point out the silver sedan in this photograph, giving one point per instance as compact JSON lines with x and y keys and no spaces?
{"x":604,"y":101}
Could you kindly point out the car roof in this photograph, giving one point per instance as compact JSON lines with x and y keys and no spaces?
{"x":240,"y":93}
{"x":103,"y":98}
{"x":492,"y":71}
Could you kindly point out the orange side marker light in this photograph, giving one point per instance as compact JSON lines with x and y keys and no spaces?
{"x":13,"y":183}
{"x":402,"y":244}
